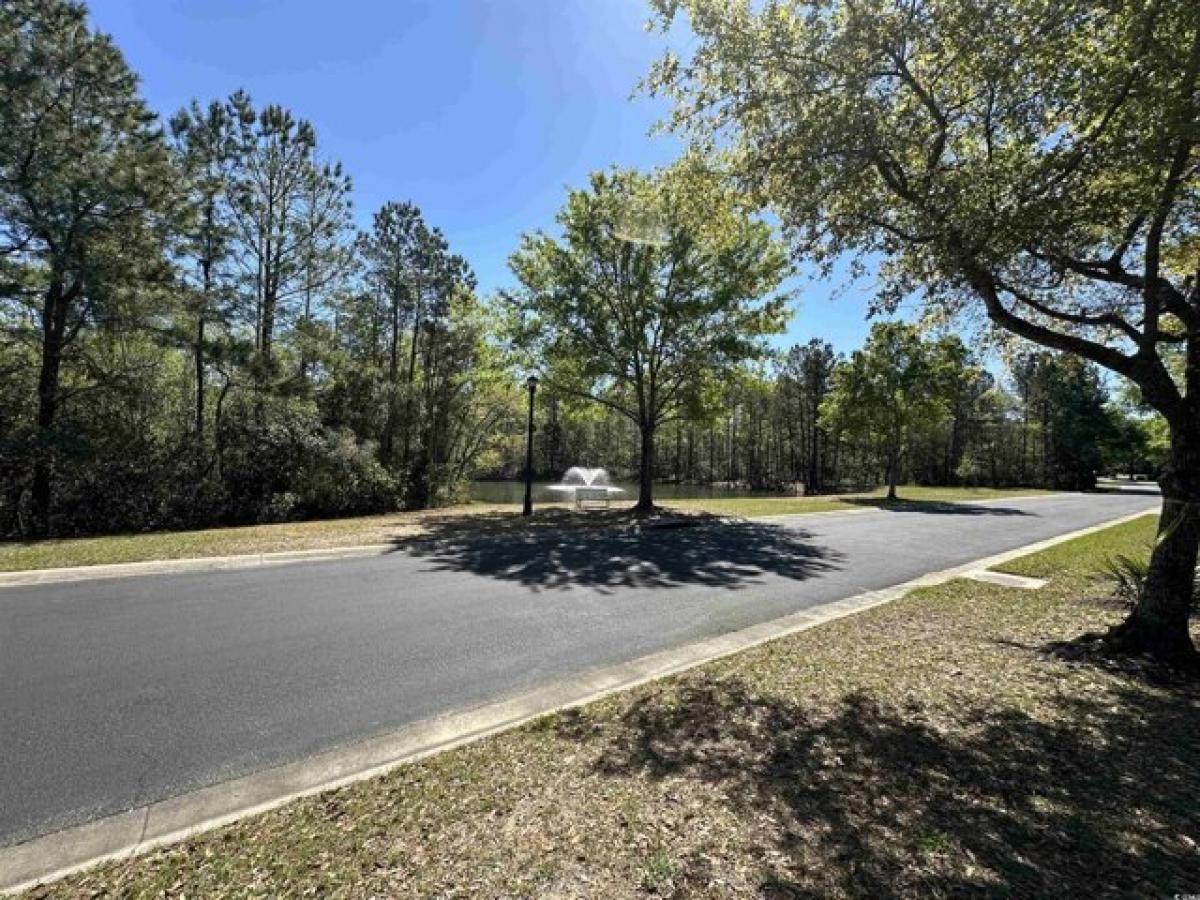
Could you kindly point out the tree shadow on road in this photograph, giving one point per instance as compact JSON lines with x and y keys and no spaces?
{"x":861,"y":798}
{"x":936,"y":507}
{"x":663,"y":553}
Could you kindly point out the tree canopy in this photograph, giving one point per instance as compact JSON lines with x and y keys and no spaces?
{"x":86,"y":190}
{"x":1037,"y":162}
{"x":895,"y":388}
{"x":659,"y":287}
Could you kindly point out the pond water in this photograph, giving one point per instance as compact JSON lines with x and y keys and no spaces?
{"x":514,"y":491}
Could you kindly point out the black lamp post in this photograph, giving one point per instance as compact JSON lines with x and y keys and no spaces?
{"x":530,"y":383}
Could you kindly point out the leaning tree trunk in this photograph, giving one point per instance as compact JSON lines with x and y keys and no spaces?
{"x":1158,"y":624}
{"x":646,"y":471}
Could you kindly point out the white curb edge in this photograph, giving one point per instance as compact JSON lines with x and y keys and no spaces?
{"x":1005,"y":579}
{"x":27,"y":577}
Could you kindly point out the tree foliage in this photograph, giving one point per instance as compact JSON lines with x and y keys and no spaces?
{"x":188,"y":326}
{"x":893,"y":389}
{"x":659,"y":287}
{"x":85,"y":189}
{"x":1038,"y":162}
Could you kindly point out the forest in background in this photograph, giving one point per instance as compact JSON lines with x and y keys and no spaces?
{"x":195,"y":332}
{"x":1047,"y":421}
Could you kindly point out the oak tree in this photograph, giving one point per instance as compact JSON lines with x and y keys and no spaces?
{"x":1037,"y":162}
{"x":658,"y":287}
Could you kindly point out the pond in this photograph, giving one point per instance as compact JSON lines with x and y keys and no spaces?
{"x":514,"y":491}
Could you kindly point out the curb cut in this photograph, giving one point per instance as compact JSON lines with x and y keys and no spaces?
{"x":131,"y":833}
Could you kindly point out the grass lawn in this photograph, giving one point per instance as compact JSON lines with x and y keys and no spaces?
{"x":910,"y":496}
{"x":926,"y":748}
{"x":18,"y":556}
{"x":1132,"y":539}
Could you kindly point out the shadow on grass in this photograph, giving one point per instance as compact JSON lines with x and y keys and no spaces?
{"x":936,"y":507}
{"x":858,"y":798}
{"x":1091,"y":650}
{"x":611,"y":550}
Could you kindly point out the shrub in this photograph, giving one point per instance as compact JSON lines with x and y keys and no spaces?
{"x":281,"y":463}
{"x":341,"y":477}
{"x":1126,"y":576}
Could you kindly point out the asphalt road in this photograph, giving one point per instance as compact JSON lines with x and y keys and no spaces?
{"x":120,"y":692}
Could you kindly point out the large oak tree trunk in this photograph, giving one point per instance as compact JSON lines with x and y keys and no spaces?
{"x":646,"y":471}
{"x":1158,"y":624}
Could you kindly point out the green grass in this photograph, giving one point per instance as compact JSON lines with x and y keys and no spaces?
{"x":910,"y":497}
{"x":925,"y":748}
{"x":18,"y":556}
{"x":1080,"y":556}
{"x":759,"y":506}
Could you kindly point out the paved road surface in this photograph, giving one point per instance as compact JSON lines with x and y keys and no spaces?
{"x":120,"y":692}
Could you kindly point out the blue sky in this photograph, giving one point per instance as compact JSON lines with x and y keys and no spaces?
{"x":480,"y":111}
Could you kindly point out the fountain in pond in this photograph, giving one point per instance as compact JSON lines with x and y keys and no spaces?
{"x":585,"y":485}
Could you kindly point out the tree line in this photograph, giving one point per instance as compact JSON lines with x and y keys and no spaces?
{"x":193,"y":330}
{"x":195,"y":333}
{"x":903,"y":409}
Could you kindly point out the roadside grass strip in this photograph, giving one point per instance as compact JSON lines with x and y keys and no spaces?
{"x":392,"y":528}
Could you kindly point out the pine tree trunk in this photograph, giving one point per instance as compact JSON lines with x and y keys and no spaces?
{"x":406,"y":454}
{"x":199,"y":361}
{"x":387,"y":442}
{"x":266,"y":339}
{"x":646,"y":471}
{"x":814,"y":469}
{"x":893,"y":458}
{"x":54,"y":321}
{"x":1158,"y":624}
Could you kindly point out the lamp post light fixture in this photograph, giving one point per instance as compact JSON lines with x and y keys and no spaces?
{"x":527,"y":510}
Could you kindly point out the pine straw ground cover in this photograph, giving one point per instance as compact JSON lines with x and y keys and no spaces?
{"x":924,"y":748}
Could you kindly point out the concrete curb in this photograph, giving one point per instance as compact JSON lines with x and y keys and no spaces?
{"x":136,"y":831}
{"x":30,"y":577}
